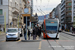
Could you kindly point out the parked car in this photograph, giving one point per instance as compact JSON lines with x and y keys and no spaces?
{"x":12,"y":34}
{"x":20,"y":31}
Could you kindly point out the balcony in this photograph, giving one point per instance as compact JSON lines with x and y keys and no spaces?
{"x":63,"y":5}
{"x":68,"y":15}
{"x":68,"y":0}
{"x":63,"y":13}
{"x":68,"y":21}
{"x":15,"y":11}
{"x":63,"y":9}
{"x":15,"y":7}
{"x":62,"y":17}
{"x":15,"y":17}
{"x":68,"y":6}
{"x":62,"y":21}
{"x":68,"y":10}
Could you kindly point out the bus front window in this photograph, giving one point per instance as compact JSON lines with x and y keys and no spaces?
{"x":51,"y":28}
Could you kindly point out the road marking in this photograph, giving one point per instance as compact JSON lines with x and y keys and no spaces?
{"x":18,"y":41}
{"x":39,"y":45}
{"x":3,"y":41}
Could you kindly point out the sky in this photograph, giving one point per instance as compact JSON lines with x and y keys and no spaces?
{"x":42,"y":7}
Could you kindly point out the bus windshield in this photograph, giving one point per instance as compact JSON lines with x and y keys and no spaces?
{"x":51,"y":28}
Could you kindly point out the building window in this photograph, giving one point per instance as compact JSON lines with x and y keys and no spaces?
{"x":69,"y":4}
{"x":1,"y":11}
{"x":1,"y":2}
{"x":69,"y":8}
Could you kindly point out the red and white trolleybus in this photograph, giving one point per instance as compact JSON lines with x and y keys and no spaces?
{"x":50,"y":28}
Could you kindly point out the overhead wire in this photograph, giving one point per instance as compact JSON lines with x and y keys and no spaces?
{"x":38,"y":9}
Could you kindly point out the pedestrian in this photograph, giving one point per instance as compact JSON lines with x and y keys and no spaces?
{"x":39,"y":32}
{"x":28,"y":34}
{"x":34,"y":33}
{"x":25,"y":34}
{"x":31,"y":31}
{"x":73,"y":30}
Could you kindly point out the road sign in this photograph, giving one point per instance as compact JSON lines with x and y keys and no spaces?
{"x":26,"y":15}
{"x":26,"y":10}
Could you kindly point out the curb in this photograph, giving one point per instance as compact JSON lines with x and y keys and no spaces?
{"x":69,"y":33}
{"x":30,"y":40}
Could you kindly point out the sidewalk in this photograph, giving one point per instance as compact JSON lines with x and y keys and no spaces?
{"x":1,"y":33}
{"x":69,"y":33}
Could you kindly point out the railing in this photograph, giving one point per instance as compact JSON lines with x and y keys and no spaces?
{"x":62,"y":21}
{"x":68,"y":0}
{"x":63,"y":9}
{"x":68,"y":10}
{"x":69,"y":14}
{"x":62,"y":17}
{"x":15,"y":16}
{"x":68,"y":5}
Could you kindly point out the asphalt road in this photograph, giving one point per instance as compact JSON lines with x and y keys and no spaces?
{"x":65,"y":42}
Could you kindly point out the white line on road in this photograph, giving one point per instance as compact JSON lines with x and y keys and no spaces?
{"x":3,"y":41}
{"x":39,"y":45}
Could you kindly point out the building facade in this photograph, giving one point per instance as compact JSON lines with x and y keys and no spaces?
{"x":53,"y":13}
{"x":13,"y":10}
{"x":66,"y":13}
{"x":3,"y":11}
{"x":50,"y":15}
{"x":58,"y":12}
{"x":63,"y":12}
{"x":73,"y":12}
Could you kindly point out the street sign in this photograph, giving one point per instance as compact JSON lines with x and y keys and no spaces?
{"x":26,"y":10}
{"x":26,"y":15}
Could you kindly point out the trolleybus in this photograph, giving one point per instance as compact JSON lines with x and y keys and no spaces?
{"x":50,"y":28}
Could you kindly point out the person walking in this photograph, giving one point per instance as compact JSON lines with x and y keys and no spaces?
{"x":39,"y":32}
{"x":31,"y":31}
{"x":25,"y":34}
{"x":34,"y":33}
{"x":73,"y":30}
{"x":28,"y":34}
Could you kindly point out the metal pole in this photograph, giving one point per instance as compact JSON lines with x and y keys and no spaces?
{"x":5,"y":20}
{"x":18,"y":21}
{"x":26,"y":27}
{"x":8,"y":13}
